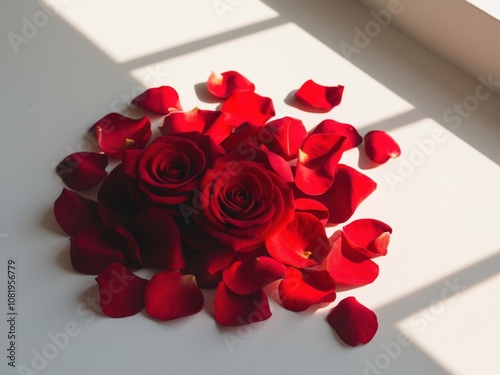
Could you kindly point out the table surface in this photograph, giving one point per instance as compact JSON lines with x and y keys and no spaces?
{"x":65,"y":64}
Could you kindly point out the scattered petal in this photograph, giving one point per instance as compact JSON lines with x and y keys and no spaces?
{"x":224,"y":84}
{"x":171,"y":295}
{"x":369,"y":237}
{"x":318,"y":96}
{"x":247,"y":106}
{"x":161,"y":100}
{"x":244,"y":135}
{"x":287,"y":134}
{"x":83,"y":170}
{"x":354,"y":323}
{"x":73,"y":212}
{"x":312,"y":207}
{"x":380,"y":146}
{"x":353,"y":138}
{"x":121,"y":292}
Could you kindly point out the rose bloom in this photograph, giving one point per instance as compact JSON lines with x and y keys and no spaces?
{"x":242,"y":203}
{"x":168,"y":170}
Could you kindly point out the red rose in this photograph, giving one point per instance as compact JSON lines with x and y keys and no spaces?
{"x":242,"y":203}
{"x":168,"y":171}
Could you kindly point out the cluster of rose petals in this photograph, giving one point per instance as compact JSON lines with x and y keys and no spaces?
{"x":230,"y":199}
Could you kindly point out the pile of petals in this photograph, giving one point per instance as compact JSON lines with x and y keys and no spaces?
{"x":232,"y":199}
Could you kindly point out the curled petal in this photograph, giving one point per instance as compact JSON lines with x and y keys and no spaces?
{"x":380,"y":146}
{"x":231,"y":309}
{"x":312,"y":207}
{"x":224,"y":84}
{"x":248,"y":277}
{"x":288,"y":134}
{"x":171,"y":295}
{"x":301,"y":243}
{"x":318,"y":159}
{"x":368,"y":236}
{"x":83,"y":170}
{"x":73,"y":212}
{"x":300,"y":289}
{"x":116,"y":133}
{"x":354,"y":323}
{"x":348,"y":267}
{"x":247,"y":106}
{"x":161,"y":100}
{"x":121,"y":292}
{"x":318,"y":96}
{"x":353,"y":138}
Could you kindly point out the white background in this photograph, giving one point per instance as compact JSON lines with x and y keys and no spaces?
{"x":86,"y":59}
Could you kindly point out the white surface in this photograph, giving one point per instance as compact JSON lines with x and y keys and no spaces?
{"x":445,"y":211}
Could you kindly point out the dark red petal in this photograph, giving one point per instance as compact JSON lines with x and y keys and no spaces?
{"x":354,"y":323}
{"x":248,"y":277}
{"x":288,"y":134}
{"x":116,"y":205}
{"x":301,"y":289}
{"x":171,"y":295}
{"x":83,"y":170}
{"x":94,"y":247}
{"x":380,"y":146}
{"x":158,"y":239}
{"x":161,"y":100}
{"x":301,"y":243}
{"x":247,"y":106}
{"x":277,"y":164}
{"x":116,"y":133}
{"x":231,"y":309}
{"x":244,"y":135}
{"x":318,"y":159}
{"x":223,"y":85}
{"x":121,"y":292}
{"x":313,"y":207}
{"x":72,"y":211}
{"x":353,"y":138}
{"x":318,"y":96}
{"x":369,"y":237}
{"x":348,"y":267}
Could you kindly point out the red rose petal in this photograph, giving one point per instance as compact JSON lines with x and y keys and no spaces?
{"x":161,"y":100}
{"x":248,"y":277}
{"x":244,"y":135}
{"x":369,"y":237}
{"x":73,"y":212}
{"x":171,"y":295}
{"x":247,"y":106}
{"x":121,"y":292}
{"x":288,"y":134}
{"x":318,"y":158}
{"x":353,"y":138}
{"x":348,"y":267}
{"x":94,"y":247}
{"x":354,"y":323}
{"x":318,"y":96}
{"x":223,"y":85}
{"x":299,"y":290}
{"x":116,"y":133}
{"x":301,"y":243}
{"x":231,"y":309}
{"x":83,"y":170}
{"x":158,"y":239}
{"x":312,"y":207}
{"x":380,"y":146}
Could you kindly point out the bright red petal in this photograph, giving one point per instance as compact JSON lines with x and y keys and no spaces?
{"x":231,"y":309}
{"x":348,"y":267}
{"x":288,"y":134}
{"x":247,"y":106}
{"x":244,"y":135}
{"x":116,"y":133}
{"x":369,"y":237}
{"x":353,"y":138}
{"x":318,"y":159}
{"x":121,"y":292}
{"x":248,"y":277}
{"x":380,"y":146}
{"x":161,"y":100}
{"x":312,"y":207}
{"x":158,"y":239}
{"x":301,"y":289}
{"x":354,"y":323}
{"x":223,"y":85}
{"x":171,"y":295}
{"x":301,"y":243}
{"x":73,"y":212}
{"x":318,"y":96}
{"x":83,"y":170}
